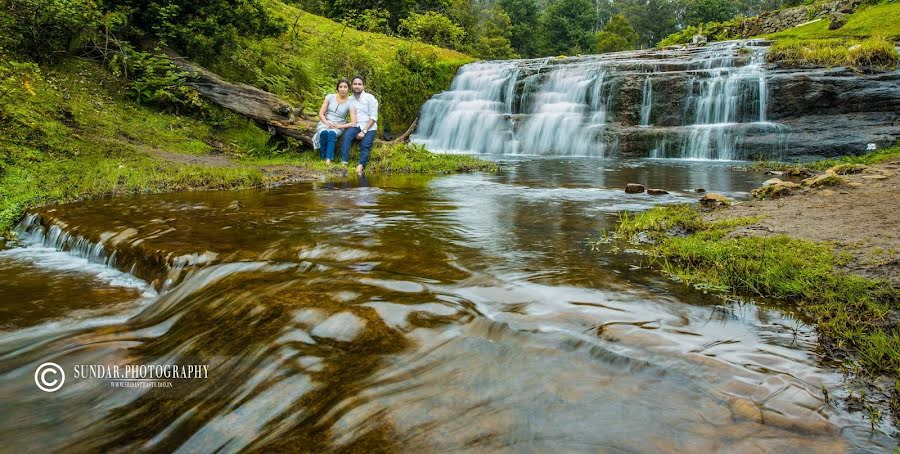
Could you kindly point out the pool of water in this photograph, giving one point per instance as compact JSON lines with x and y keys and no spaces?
{"x":462,"y":312}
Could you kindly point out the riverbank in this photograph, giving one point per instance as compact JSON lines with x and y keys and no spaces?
{"x":75,"y":134}
{"x":824,"y":248}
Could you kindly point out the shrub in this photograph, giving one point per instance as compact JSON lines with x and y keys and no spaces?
{"x":434,"y":28}
{"x":45,"y":30}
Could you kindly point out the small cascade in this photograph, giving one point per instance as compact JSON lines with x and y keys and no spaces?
{"x":704,"y":102}
{"x":160,"y":272}
{"x":474,"y":114}
{"x":647,"y":102}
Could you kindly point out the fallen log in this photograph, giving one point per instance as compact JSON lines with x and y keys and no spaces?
{"x":266,"y":109}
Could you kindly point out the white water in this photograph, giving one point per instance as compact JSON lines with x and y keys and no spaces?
{"x":587,"y":106}
{"x":647,"y":102}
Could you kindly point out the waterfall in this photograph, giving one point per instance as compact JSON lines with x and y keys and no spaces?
{"x":646,"y":102}
{"x":705,"y":103}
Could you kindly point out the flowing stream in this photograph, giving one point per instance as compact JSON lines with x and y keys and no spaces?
{"x":464,"y":312}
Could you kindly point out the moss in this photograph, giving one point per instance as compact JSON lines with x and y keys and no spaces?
{"x":853,"y":314}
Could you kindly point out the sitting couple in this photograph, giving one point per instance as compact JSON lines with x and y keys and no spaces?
{"x":362,"y":108}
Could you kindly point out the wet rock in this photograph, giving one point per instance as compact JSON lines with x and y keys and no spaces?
{"x":743,"y":409}
{"x":774,"y":172}
{"x":772,"y":181}
{"x":657,"y":192}
{"x":634,"y":188}
{"x":713,"y":200}
{"x":699,"y":190}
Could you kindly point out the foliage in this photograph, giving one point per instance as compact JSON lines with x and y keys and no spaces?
{"x":406,"y":82}
{"x":565,"y":27}
{"x":397,"y":9}
{"x":700,"y":11}
{"x":202,"y":30}
{"x":494,"y":32}
{"x":373,"y":20}
{"x":653,"y":19}
{"x":433,"y":28}
{"x":852,"y":313}
{"x":523,"y":16}
{"x":617,"y":35}
{"x":46,"y":29}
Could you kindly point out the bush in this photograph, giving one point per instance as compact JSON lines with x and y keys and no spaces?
{"x":46,"y":30}
{"x":406,"y":82}
{"x":433,"y":28}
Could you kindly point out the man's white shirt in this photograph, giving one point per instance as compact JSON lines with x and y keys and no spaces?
{"x":366,"y":108}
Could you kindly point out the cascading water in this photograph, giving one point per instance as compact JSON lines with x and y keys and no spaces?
{"x":647,"y":102}
{"x":705,"y":101}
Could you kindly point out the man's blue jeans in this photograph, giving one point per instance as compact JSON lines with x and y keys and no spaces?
{"x":365,"y":145}
{"x":327,"y":142}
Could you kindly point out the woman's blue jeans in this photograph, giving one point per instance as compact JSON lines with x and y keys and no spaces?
{"x":327,"y":141}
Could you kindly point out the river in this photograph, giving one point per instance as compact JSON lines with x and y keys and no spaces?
{"x":464,"y":312}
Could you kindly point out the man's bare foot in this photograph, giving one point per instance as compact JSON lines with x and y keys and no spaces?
{"x":359,"y":169}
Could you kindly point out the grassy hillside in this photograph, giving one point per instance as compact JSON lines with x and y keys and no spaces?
{"x":304,"y":62}
{"x":875,"y":20}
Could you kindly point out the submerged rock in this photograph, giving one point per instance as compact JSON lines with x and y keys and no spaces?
{"x":634,"y":188}
{"x":657,"y":192}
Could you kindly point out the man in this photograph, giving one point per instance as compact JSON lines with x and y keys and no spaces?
{"x":366,"y":107}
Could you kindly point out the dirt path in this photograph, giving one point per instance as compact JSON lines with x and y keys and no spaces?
{"x":861,"y":216}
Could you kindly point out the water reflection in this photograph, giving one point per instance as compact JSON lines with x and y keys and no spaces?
{"x":417,"y":314}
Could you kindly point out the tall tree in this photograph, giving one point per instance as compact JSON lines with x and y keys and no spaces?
{"x":566,"y":27}
{"x":616,"y":35}
{"x":653,"y":19}
{"x":523,"y":16}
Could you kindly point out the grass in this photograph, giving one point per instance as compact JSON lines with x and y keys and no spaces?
{"x":868,"y":21}
{"x":78,"y":136}
{"x":844,"y":163}
{"x":829,"y":52}
{"x":854,"y":316}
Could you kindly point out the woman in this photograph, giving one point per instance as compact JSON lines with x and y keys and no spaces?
{"x":333,"y":120}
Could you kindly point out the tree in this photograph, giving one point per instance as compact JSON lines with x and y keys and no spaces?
{"x":699,"y":11}
{"x":523,"y":16}
{"x":434,"y":28}
{"x":566,"y":27}
{"x":617,"y":35}
{"x":653,"y":19}
{"x":493,"y":32}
